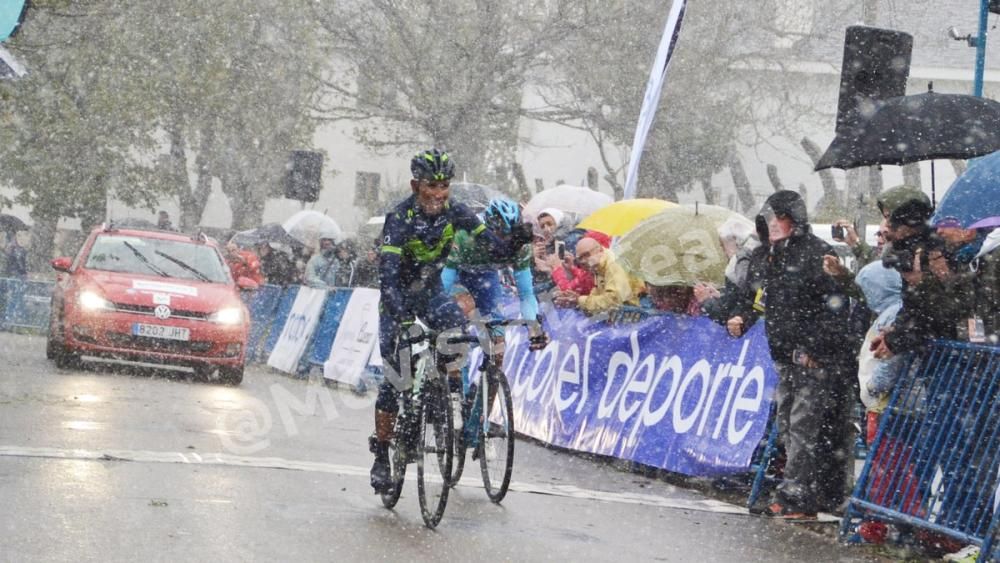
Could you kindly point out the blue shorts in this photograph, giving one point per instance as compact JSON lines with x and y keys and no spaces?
{"x":485,"y":289}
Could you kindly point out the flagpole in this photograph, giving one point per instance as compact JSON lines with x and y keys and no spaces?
{"x":651,"y":100}
{"x":984,"y":12}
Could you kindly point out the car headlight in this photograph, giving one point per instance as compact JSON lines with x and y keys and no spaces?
{"x":227,"y":316}
{"x":91,"y":301}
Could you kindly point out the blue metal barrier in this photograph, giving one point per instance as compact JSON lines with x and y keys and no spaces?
{"x":761,"y":462}
{"x":280,"y":316}
{"x":262,"y":304}
{"x":934,"y":462}
{"x":25,"y":304}
{"x":326,"y":328}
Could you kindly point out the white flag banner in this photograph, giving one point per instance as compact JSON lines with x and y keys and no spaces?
{"x":298,"y":330}
{"x":357,"y":337}
{"x":657,"y":76}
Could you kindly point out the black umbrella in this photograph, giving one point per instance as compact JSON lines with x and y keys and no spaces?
{"x":272,"y":233}
{"x":909,"y":129}
{"x":10,"y":224}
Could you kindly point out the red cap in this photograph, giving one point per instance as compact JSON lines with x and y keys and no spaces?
{"x":601,"y":238}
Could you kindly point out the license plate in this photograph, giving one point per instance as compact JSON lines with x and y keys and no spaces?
{"x":160,"y":331}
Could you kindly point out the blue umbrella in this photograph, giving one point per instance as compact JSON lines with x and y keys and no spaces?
{"x":974,"y":196}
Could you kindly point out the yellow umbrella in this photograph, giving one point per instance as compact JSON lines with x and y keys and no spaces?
{"x":621,"y":216}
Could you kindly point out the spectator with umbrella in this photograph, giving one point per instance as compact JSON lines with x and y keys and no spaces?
{"x":920,"y":127}
{"x":366,"y":271}
{"x":275,"y":264}
{"x":10,"y":225}
{"x":347,"y":255}
{"x":321,"y":270}
{"x":986,"y":292}
{"x":16,"y":263}
{"x":243,"y":263}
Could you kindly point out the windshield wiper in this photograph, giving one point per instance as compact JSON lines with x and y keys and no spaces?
{"x":144,"y":260}
{"x":184,"y":265}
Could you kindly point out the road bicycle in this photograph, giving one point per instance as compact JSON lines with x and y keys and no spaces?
{"x":423,"y":431}
{"x":487,"y":426}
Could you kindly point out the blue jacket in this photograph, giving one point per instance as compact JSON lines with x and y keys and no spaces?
{"x":414,"y":249}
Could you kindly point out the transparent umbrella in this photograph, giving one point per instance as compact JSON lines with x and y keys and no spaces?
{"x":476,"y":196}
{"x":575,"y":200}
{"x":306,"y":226}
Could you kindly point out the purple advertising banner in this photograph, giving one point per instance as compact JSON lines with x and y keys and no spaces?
{"x":676,"y":393}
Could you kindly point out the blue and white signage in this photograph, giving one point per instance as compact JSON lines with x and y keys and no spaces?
{"x":670,"y":392}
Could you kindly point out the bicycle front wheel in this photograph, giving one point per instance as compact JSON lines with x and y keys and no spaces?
{"x":496,"y":436}
{"x":436,"y":454}
{"x":397,"y":460}
{"x":458,"y":463}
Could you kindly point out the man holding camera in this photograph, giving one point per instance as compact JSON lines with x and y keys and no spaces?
{"x":929,"y":310}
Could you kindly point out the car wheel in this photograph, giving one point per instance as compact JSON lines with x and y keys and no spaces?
{"x":51,"y":348}
{"x":64,"y":358}
{"x":204,"y":372}
{"x":231,"y":376}
{"x":52,"y":344}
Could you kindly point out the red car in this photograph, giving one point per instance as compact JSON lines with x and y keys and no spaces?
{"x":150,"y":296}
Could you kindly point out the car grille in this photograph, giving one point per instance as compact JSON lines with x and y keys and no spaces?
{"x":148,"y":344}
{"x":148,"y":310}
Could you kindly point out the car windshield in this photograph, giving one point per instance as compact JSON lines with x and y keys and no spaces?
{"x":166,"y":258}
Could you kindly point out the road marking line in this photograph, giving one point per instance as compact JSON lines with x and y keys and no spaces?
{"x":568,"y":491}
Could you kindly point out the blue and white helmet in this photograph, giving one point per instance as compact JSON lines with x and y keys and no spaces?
{"x":502,"y":215}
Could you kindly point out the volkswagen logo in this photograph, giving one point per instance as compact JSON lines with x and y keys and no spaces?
{"x":162,"y":312}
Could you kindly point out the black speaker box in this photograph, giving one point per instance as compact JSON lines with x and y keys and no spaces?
{"x":303,"y":181}
{"x":875,"y":67}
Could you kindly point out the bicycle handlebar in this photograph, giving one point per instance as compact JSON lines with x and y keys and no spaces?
{"x":428,"y":334}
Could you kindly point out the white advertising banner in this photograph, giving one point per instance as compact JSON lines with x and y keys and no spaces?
{"x":357,"y":338}
{"x":298,"y":329}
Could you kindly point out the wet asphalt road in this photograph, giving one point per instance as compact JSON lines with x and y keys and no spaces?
{"x":102,"y":464}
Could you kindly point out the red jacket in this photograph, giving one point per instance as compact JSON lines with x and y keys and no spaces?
{"x":577,"y":280}
{"x":245,"y":264}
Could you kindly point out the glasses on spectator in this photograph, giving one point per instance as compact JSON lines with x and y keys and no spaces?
{"x":880,"y":234}
{"x":584,"y":255}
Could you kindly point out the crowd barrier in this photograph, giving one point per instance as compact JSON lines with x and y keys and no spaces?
{"x":934,"y":462}
{"x":24,"y":304}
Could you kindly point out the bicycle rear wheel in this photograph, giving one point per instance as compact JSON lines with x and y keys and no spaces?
{"x":436,"y":454}
{"x":496,"y":437}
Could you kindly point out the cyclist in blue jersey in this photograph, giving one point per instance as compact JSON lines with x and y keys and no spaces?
{"x":475,"y":266}
{"x":416,"y":239}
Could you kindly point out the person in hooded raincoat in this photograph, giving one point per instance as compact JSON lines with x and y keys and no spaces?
{"x":322,"y":268}
{"x":805,"y":314}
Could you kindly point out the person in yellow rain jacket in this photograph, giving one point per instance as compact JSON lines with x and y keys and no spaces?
{"x":613,"y":287}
